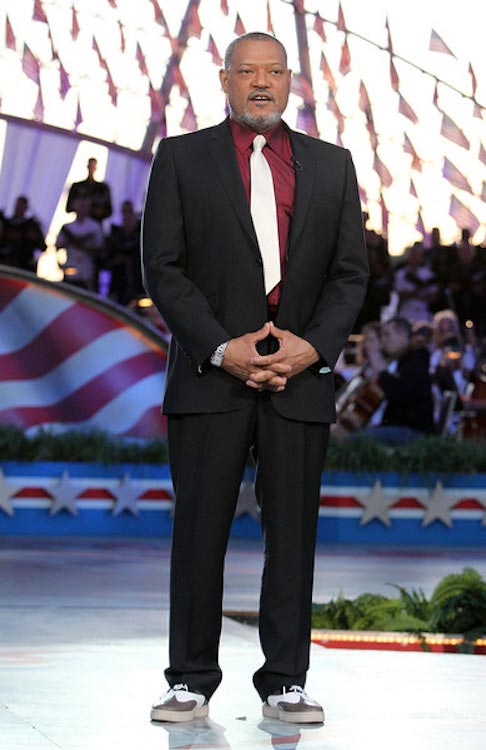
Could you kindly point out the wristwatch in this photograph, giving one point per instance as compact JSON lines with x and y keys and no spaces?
{"x":218,"y":355}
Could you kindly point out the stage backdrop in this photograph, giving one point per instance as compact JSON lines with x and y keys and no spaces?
{"x":69,"y":359}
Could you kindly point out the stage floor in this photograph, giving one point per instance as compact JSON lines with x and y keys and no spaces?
{"x":83,"y":642}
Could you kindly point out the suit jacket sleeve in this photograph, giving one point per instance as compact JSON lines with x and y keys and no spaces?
{"x":183,"y":306}
{"x":344,"y":289}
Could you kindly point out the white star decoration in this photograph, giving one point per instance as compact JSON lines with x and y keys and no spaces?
{"x":376,"y":505}
{"x":126,"y":497}
{"x":247,"y":502}
{"x":64,"y":496}
{"x":7,"y":491}
{"x":438,"y":506}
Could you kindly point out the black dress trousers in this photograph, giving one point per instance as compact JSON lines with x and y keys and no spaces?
{"x":208,"y":454}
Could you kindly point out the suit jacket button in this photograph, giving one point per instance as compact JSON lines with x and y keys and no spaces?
{"x":259,"y":262}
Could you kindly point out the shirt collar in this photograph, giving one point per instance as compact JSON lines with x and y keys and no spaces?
{"x":243,"y":136}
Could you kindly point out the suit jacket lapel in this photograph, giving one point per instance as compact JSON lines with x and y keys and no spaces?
{"x":223,"y":154}
{"x":304,"y":182}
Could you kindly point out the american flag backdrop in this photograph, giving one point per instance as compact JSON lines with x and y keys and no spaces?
{"x":70,"y":360}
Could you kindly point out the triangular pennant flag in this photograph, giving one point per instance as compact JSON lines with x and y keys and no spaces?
{"x":437,"y":44}
{"x":10,"y":41}
{"x":112,"y":3}
{"x":389,"y":44}
{"x":141,"y":60}
{"x":333,"y":107}
{"x":345,"y":62}
{"x":362,"y":195}
{"x":405,"y":109}
{"x":64,"y":83}
{"x":463,"y":216}
{"x":327,"y":73}
{"x":382,"y":171}
{"x":384,"y":216}
{"x":39,"y":107}
{"x":300,"y":86}
{"x":30,"y":64}
{"x":395,"y":81}
{"x":79,"y":117}
{"x":188,"y":121}
{"x":74,"y":25}
{"x":370,"y":127}
{"x":122,"y":37}
{"x":364,"y":101}
{"x":306,"y":121}
{"x":39,"y":14}
{"x":158,"y":15}
{"x":474,"y":82}
{"x":214,"y":52}
{"x":455,"y":177}
{"x":450,"y":130}
{"x":478,"y":112}
{"x":341,"y":23}
{"x":224,"y":7}
{"x":482,"y":153}
{"x":54,"y":54}
{"x":413,"y":190}
{"x":339,"y":141}
{"x":195,"y":26}
{"x":239,"y":28}
{"x":419,"y":226}
{"x":483,"y":192}
{"x":269,"y":20}
{"x":96,"y":48}
{"x":436,"y":94}
{"x":112,"y":90}
{"x":319,"y":27}
{"x":409,"y":149}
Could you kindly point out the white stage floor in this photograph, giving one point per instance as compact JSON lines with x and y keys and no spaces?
{"x":83,"y":642}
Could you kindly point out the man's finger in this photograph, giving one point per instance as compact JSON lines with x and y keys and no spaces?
{"x":262,"y":333}
{"x":267,"y":360}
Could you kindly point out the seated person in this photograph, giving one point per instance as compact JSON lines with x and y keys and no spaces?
{"x":402,"y":373}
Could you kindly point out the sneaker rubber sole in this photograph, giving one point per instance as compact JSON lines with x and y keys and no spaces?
{"x":166,"y":714}
{"x":314,"y":716}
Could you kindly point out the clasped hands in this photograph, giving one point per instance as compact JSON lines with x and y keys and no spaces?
{"x":272,"y":371}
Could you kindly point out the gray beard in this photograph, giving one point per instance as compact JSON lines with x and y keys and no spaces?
{"x":258,"y":123}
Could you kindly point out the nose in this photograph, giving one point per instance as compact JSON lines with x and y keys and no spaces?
{"x":261,"y":79}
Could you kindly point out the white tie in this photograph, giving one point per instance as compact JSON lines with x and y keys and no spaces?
{"x":264,"y":214}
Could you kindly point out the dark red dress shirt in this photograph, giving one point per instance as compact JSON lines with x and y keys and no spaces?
{"x":278,"y":153}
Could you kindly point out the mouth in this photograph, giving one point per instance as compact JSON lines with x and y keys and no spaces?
{"x":261,"y":98}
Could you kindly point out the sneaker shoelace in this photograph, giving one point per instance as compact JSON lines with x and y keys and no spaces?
{"x":180,"y":686}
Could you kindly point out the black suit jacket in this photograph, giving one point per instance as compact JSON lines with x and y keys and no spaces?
{"x":203,"y":269}
{"x":409,"y":392}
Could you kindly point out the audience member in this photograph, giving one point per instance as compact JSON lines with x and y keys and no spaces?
{"x":379,"y":284}
{"x":83,"y":241}
{"x":416,"y":285}
{"x":402,"y":373}
{"x":467,"y":282}
{"x":22,"y":239}
{"x":123,"y":256}
{"x":97,"y":192}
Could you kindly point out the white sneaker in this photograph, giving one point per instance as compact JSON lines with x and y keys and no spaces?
{"x":294,"y":706}
{"x":179,"y":704}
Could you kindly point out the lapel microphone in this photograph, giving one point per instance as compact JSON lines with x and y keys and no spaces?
{"x":296,"y":164}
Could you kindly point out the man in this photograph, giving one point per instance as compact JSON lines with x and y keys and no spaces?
{"x":83,"y":242}
{"x":402,"y":373}
{"x":98,"y":194}
{"x":249,"y":364}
